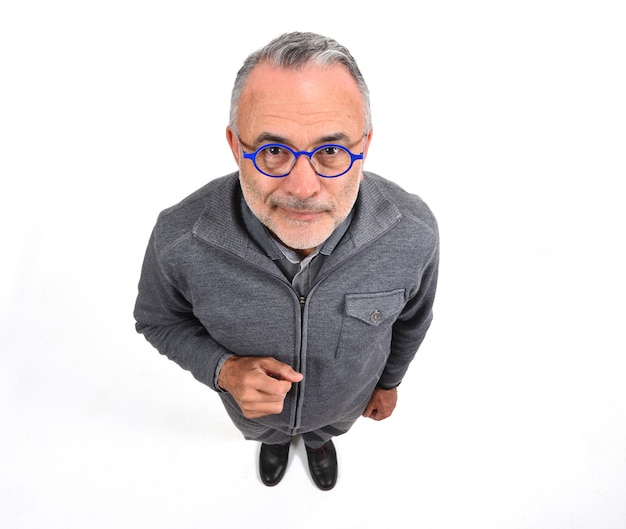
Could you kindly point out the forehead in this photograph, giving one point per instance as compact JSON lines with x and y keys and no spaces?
{"x":301,"y":104}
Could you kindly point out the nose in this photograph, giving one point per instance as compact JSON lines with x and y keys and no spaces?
{"x":302,"y":181}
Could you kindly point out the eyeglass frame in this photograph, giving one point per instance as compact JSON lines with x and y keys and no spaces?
{"x":296,"y":154}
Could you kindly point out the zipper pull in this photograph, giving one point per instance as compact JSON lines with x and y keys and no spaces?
{"x":302,"y":300}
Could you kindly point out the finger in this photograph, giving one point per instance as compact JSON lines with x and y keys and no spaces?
{"x":369,"y":412}
{"x":265,"y":400}
{"x":273,"y":388}
{"x":282,"y":371}
{"x":261,"y":409}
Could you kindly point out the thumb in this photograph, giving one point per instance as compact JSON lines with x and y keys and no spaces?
{"x":282,"y":371}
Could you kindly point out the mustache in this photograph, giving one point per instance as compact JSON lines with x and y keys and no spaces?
{"x":299,"y":204}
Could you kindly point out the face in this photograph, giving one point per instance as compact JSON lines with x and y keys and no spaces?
{"x":302,"y":109}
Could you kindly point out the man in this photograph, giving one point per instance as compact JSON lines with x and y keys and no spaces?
{"x":300,"y":287}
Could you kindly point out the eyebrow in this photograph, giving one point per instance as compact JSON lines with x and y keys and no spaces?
{"x":268,"y":137}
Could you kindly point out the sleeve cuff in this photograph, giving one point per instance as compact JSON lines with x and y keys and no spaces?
{"x":388,"y":386}
{"x":218,"y":368}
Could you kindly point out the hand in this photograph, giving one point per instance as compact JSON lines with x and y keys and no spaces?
{"x":381,"y":404}
{"x":258,"y":385}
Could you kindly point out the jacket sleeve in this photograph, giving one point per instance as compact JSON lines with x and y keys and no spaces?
{"x":165,"y":317}
{"x":411,"y":326}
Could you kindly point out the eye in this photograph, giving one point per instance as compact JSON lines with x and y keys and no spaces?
{"x":275,"y":151}
{"x":330,"y":151}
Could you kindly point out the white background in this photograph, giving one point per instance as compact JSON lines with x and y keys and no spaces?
{"x":508,"y":118}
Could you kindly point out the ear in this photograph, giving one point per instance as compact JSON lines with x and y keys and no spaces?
{"x":233,"y":143}
{"x":366,"y":147}
{"x":368,"y":139}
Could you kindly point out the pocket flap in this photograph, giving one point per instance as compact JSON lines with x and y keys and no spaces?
{"x":374,"y":308}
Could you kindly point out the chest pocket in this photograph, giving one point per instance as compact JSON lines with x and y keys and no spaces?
{"x":368,"y":322}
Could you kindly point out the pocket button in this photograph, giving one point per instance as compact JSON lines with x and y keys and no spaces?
{"x":376,"y":316}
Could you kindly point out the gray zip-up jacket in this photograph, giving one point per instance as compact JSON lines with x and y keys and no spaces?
{"x":207,"y":291}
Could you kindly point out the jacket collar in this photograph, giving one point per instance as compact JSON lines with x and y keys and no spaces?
{"x":221,"y":225}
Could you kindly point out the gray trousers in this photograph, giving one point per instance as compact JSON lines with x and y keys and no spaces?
{"x":253,"y":431}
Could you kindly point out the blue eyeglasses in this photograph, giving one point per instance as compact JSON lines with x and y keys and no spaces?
{"x":277,"y":160}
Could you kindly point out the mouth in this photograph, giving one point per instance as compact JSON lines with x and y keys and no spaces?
{"x":301,"y":215}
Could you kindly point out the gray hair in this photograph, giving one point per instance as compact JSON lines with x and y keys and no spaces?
{"x":292,"y":51}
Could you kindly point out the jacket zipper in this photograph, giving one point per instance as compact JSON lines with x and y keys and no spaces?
{"x":298,"y":388}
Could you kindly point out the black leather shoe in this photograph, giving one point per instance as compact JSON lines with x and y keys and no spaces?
{"x":323,"y":465}
{"x":273,"y":463}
